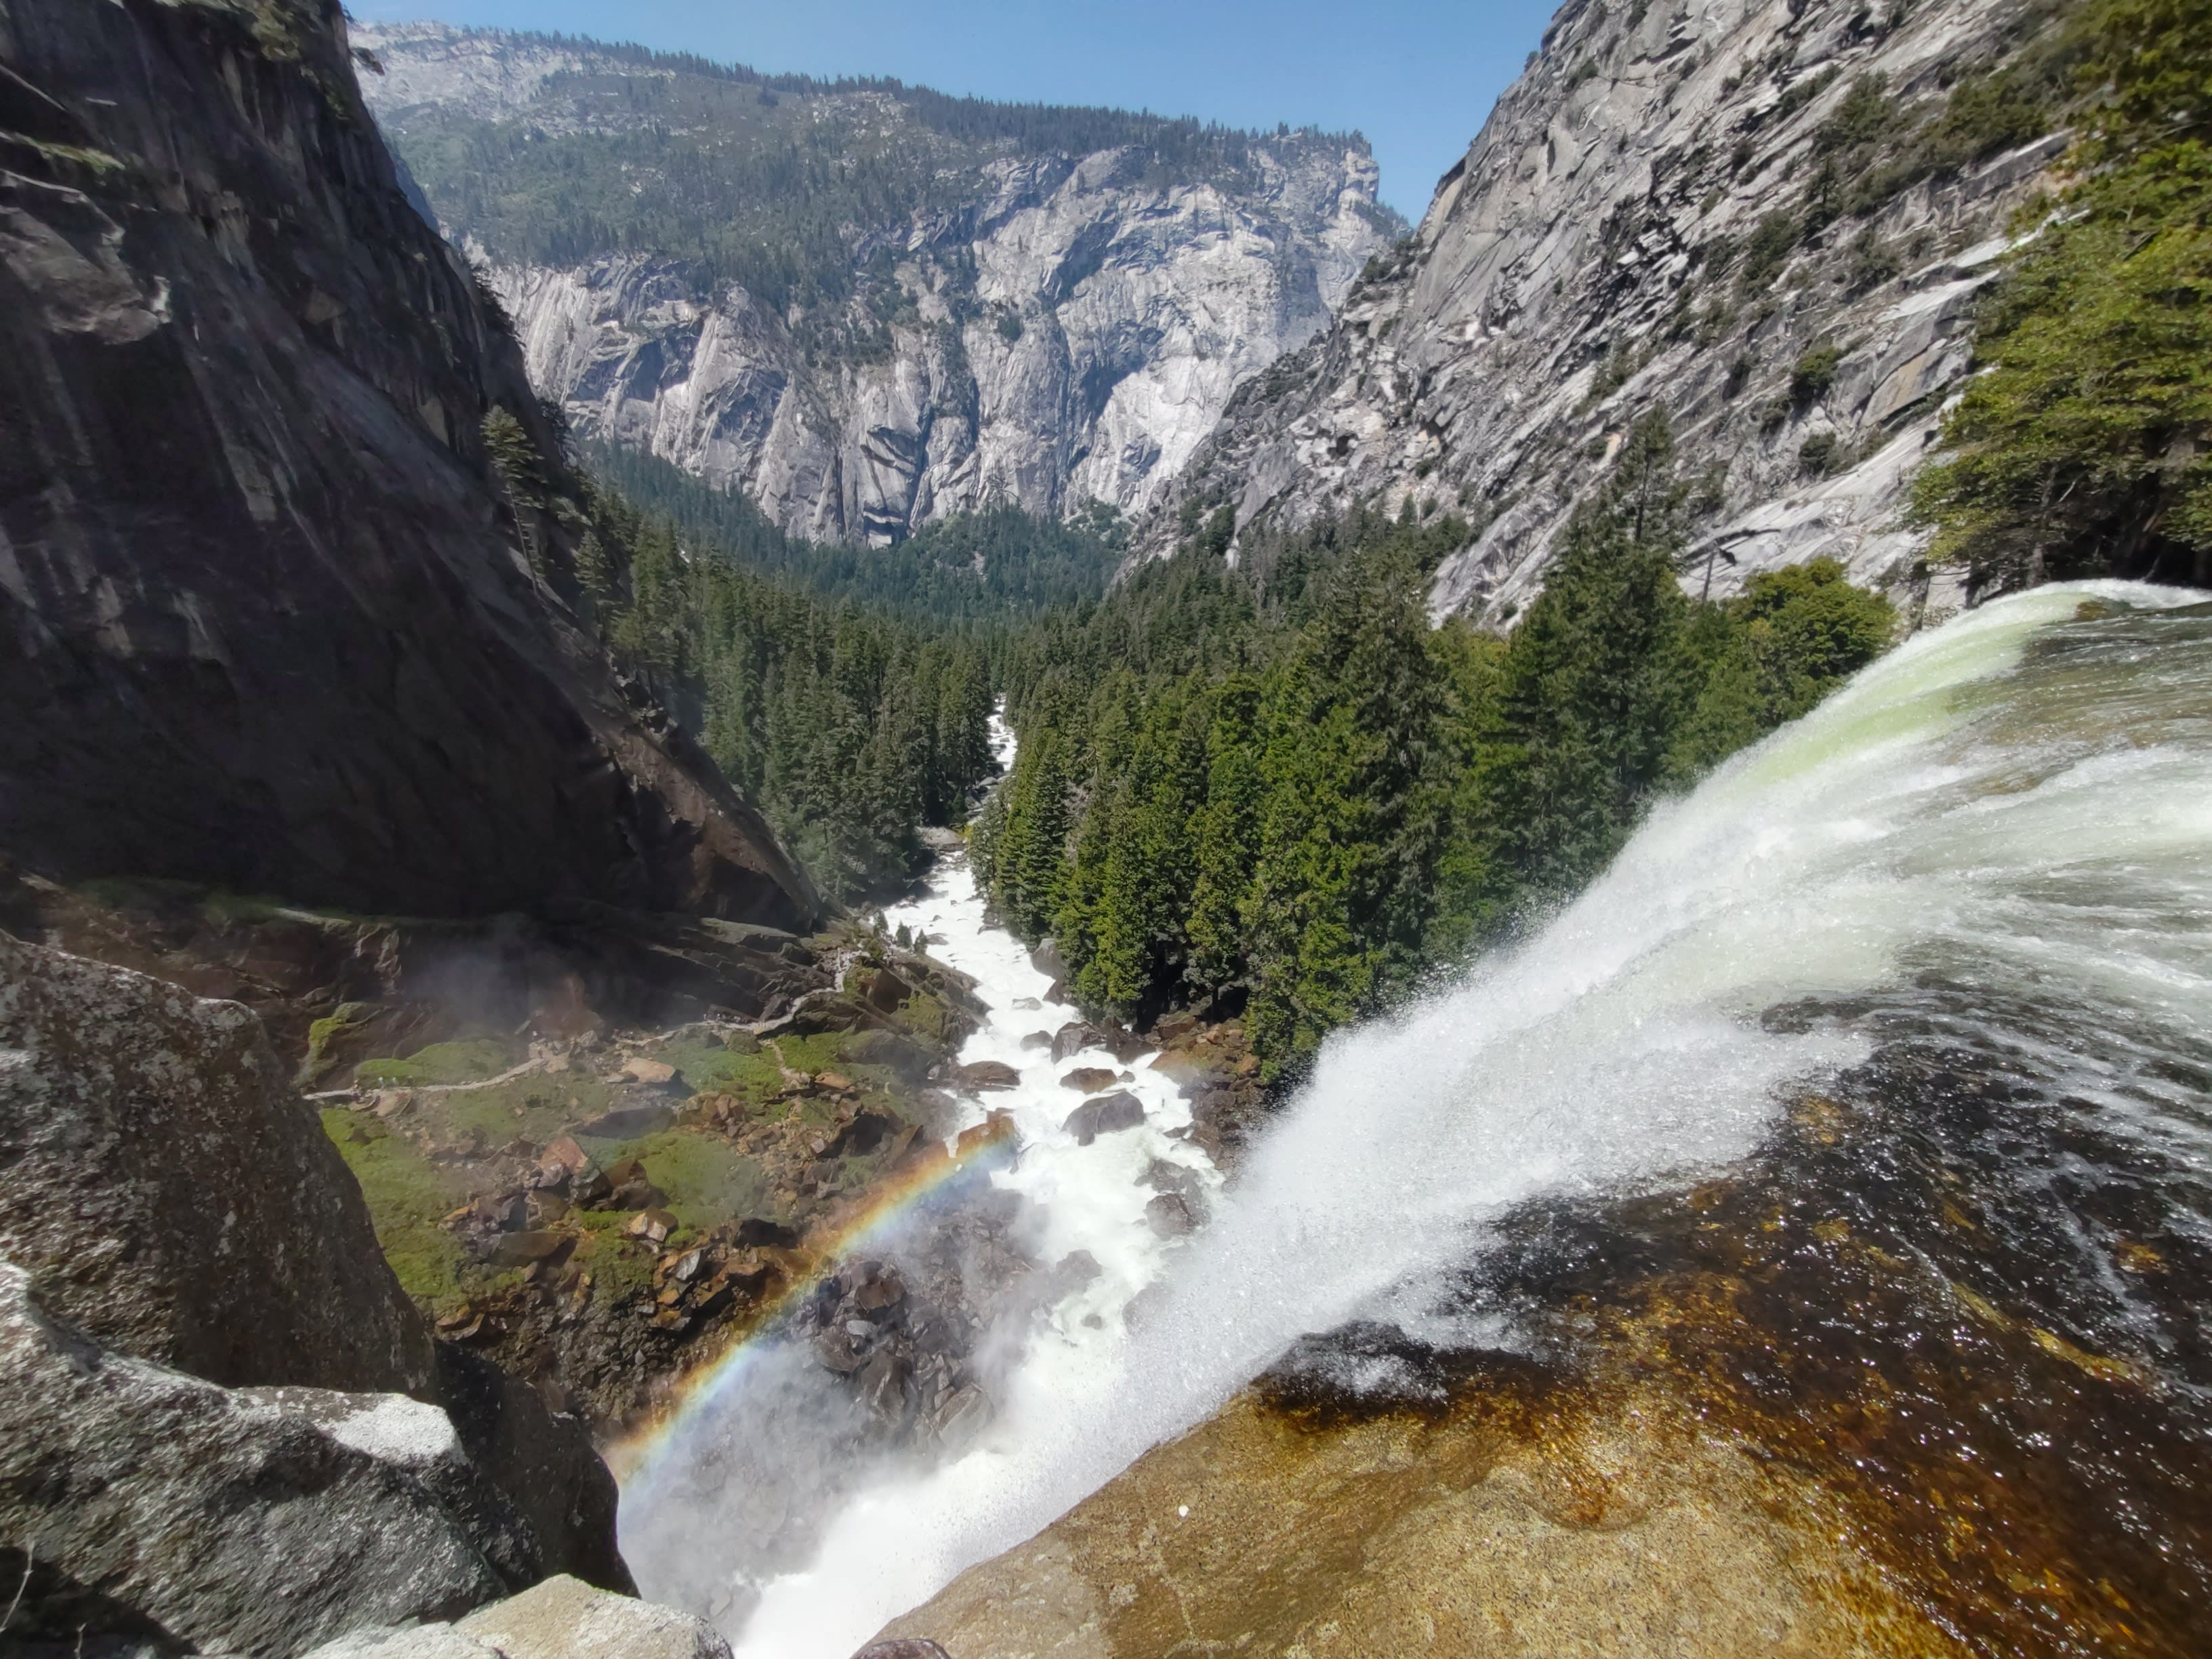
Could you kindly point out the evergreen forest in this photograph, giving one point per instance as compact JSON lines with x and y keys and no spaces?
{"x":1277,"y":782}
{"x":2085,"y":443}
{"x":851,"y":728}
{"x":971,"y":571}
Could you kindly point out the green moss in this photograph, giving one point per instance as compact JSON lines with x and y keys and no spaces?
{"x":537,"y":1107}
{"x":408,"y":1198}
{"x":347,"y":1016}
{"x":706,"y":1180}
{"x":441,"y":1062}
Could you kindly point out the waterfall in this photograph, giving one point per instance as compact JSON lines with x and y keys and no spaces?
{"x":2022,"y":799}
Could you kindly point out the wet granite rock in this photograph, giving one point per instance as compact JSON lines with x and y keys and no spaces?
{"x":560,"y":1619}
{"x":253,"y":1520}
{"x":982,"y":1075}
{"x":173,"y":1196}
{"x":198,"y":1244}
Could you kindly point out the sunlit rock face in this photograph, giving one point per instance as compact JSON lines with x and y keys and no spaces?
{"x":1067,"y":330}
{"x":1592,"y":257}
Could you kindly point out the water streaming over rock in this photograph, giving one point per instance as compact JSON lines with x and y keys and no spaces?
{"x":1998,"y":839}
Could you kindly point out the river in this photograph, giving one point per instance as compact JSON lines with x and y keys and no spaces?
{"x":1974,"y":889}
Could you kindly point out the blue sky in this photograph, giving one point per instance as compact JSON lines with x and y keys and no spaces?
{"x":1417,"y":77}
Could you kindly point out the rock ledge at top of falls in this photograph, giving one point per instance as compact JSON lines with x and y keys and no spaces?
{"x":1099,"y":314}
{"x":1571,"y":242}
{"x":270,"y":621}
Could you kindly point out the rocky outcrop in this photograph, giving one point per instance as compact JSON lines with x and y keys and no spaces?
{"x":270,"y":621}
{"x":224,"y":1425}
{"x":252,"y":1520}
{"x":176,"y":1201}
{"x":1065,"y":332}
{"x":1656,"y":215}
{"x":560,"y":1619}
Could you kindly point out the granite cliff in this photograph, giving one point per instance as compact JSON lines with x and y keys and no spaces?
{"x":1771,"y":218}
{"x":273,"y":622}
{"x":950,"y":304}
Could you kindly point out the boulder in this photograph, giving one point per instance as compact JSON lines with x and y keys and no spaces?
{"x":1106,"y":1115}
{"x":173,"y":1199}
{"x":1087,"y":1079}
{"x":1073,"y":1038}
{"x":566,"y":1619}
{"x":996,"y":1129}
{"x":986,"y":1074}
{"x":1037,"y":1040}
{"x":254,"y":1520}
{"x":1169,"y":1215}
{"x":654,"y":1073}
{"x":903,"y":1648}
{"x":1048,"y":960}
{"x":560,"y":1619}
{"x":1174,"y":1028}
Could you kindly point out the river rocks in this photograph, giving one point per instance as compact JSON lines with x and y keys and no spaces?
{"x":261,"y":1520}
{"x":562,"y":1618}
{"x":982,"y":1075}
{"x":161,"y":1178}
{"x":997,"y":1129}
{"x":1087,"y":1079}
{"x":1168,"y":1215}
{"x":1106,"y":1115}
{"x":1079,"y":1034}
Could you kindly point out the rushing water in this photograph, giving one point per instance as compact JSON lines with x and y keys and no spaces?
{"x":1998,"y":841}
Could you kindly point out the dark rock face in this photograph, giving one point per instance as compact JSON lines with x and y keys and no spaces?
{"x":173,"y":1196}
{"x":268,"y":620}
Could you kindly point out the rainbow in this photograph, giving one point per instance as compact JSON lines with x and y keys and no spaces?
{"x":635,"y":1457}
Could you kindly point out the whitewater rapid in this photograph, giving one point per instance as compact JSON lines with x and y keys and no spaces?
{"x":1973,"y":805}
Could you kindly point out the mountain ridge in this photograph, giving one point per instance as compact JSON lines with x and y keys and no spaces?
{"x":1773,"y":221}
{"x":901,"y":314}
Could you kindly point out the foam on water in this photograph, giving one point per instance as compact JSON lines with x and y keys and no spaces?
{"x":1918,"y":821}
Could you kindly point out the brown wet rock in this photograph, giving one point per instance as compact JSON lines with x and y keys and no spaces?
{"x":1620,"y":1531}
{"x":983,"y":1075}
{"x":1108,"y":1115}
{"x":1087,"y":1079}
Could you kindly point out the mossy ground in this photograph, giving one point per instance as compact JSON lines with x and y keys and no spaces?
{"x":408,"y":1198}
{"x":705,"y":1179}
{"x":458,"y":1061}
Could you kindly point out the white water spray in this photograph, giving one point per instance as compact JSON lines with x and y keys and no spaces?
{"x":1915,"y":820}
